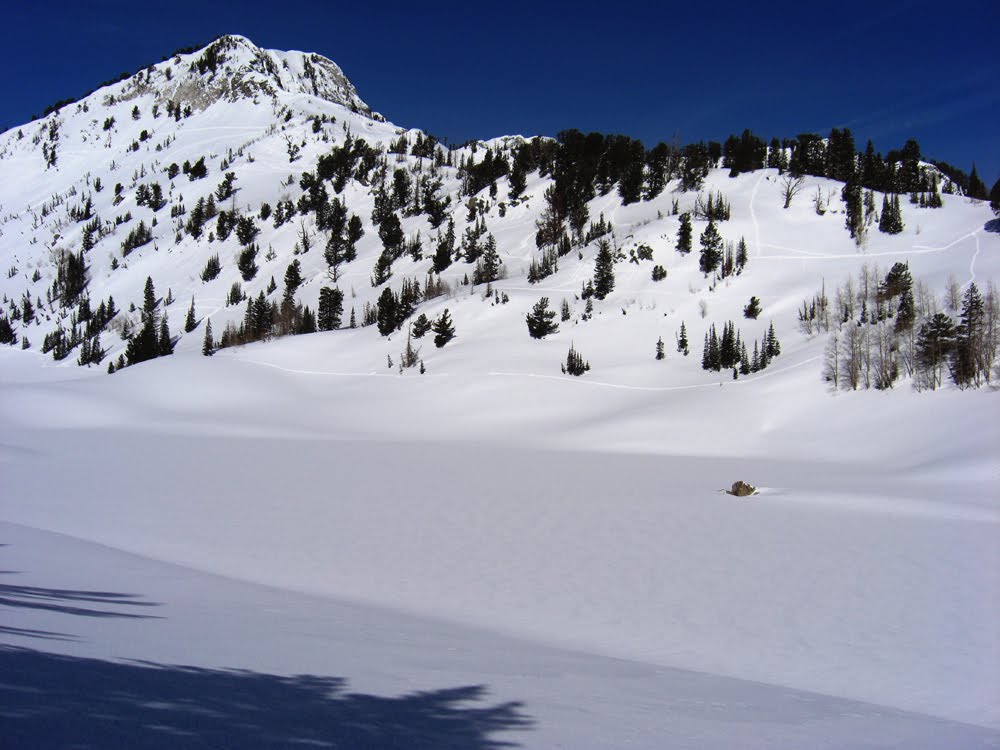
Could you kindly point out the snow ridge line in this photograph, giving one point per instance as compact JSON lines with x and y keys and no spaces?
{"x":655,"y":388}
{"x":540,"y":376}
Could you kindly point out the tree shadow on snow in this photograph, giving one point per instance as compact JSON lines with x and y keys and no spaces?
{"x":69,"y":601}
{"x":993,"y":225}
{"x":49,"y":700}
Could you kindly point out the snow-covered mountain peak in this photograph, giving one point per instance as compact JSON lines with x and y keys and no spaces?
{"x":233,"y":68}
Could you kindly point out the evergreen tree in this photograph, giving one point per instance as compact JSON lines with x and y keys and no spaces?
{"x":851,"y":195}
{"x":541,"y":320}
{"x":387,"y":313}
{"x":190,"y":323}
{"x":445,"y":248}
{"x":604,"y":270}
{"x":976,"y":187}
{"x":711,"y":249}
{"x":966,"y":365}
{"x":934,"y":344}
{"x":330,"y":309}
{"x":444,"y":329}
{"x":684,"y":234}
{"x":208,"y":346}
{"x":165,"y":345}
{"x":247,"y":262}
{"x":420,"y":326}
{"x":994,"y":198}
{"x":575,"y":364}
{"x":682,"y":341}
{"x":660,"y":354}
{"x":741,"y":255}
{"x":752,"y":309}
{"x":772,"y":347}
{"x":891,"y":220}
{"x":293,"y":279}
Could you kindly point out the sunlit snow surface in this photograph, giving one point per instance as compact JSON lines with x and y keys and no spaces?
{"x":611,"y":592}
{"x":493,"y":551}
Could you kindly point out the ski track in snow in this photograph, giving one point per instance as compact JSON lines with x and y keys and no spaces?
{"x":753,"y":214}
{"x":972,"y":263}
{"x":803,"y":255}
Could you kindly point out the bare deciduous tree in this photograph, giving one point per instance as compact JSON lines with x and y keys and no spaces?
{"x":791,"y":185}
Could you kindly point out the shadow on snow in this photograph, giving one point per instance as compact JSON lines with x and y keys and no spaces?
{"x":49,"y":700}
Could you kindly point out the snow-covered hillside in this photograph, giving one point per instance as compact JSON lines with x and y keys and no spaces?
{"x":521,"y":509}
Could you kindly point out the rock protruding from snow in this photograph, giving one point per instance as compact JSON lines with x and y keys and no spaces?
{"x":742,"y":489}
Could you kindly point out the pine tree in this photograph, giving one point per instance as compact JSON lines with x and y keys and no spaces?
{"x":445,"y":248}
{"x":994,"y":198}
{"x":711,"y":249}
{"x":604,"y":270}
{"x":684,"y":234}
{"x":772,"y":348}
{"x":330,"y":309}
{"x":190,"y":323}
{"x":293,"y":280}
{"x":741,"y":255}
{"x":660,"y":354}
{"x":682,"y":341}
{"x":851,"y":195}
{"x":976,"y":187}
{"x":752,"y":309}
{"x":444,"y":330}
{"x":208,"y":346}
{"x":966,"y":367}
{"x":165,"y":345}
{"x":575,"y":364}
{"x":541,"y":320}
{"x":420,"y":326}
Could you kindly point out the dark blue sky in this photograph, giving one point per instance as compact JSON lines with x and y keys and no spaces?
{"x":888,"y":70}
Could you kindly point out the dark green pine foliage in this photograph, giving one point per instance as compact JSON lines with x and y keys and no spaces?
{"x":247,"y":262}
{"x":165,"y":344}
{"x":710,"y":356}
{"x":752,"y":309}
{"x":855,"y":222}
{"x":966,"y":363}
{"x":145,"y":343}
{"x":541,"y":320}
{"x":660,"y":353}
{"x":711,"y":249}
{"x":995,"y":198}
{"x":891,"y":220}
{"x":293,"y":280}
{"x":421,"y":325}
{"x":444,"y":329}
{"x":575,"y":363}
{"x":7,"y":334}
{"x":208,"y":345}
{"x":682,"y":341}
{"x":387,"y":312}
{"x":684,"y":234}
{"x":977,"y":189}
{"x":741,"y":255}
{"x":190,"y":322}
{"x":330,"y":309}
{"x":841,"y":157}
{"x":772,"y":348}
{"x":212,"y":268}
{"x":444,"y":254}
{"x":604,"y":270}
{"x":934,"y":345}
{"x":489,"y":267}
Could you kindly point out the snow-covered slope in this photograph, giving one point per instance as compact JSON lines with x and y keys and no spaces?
{"x":494,"y":490}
